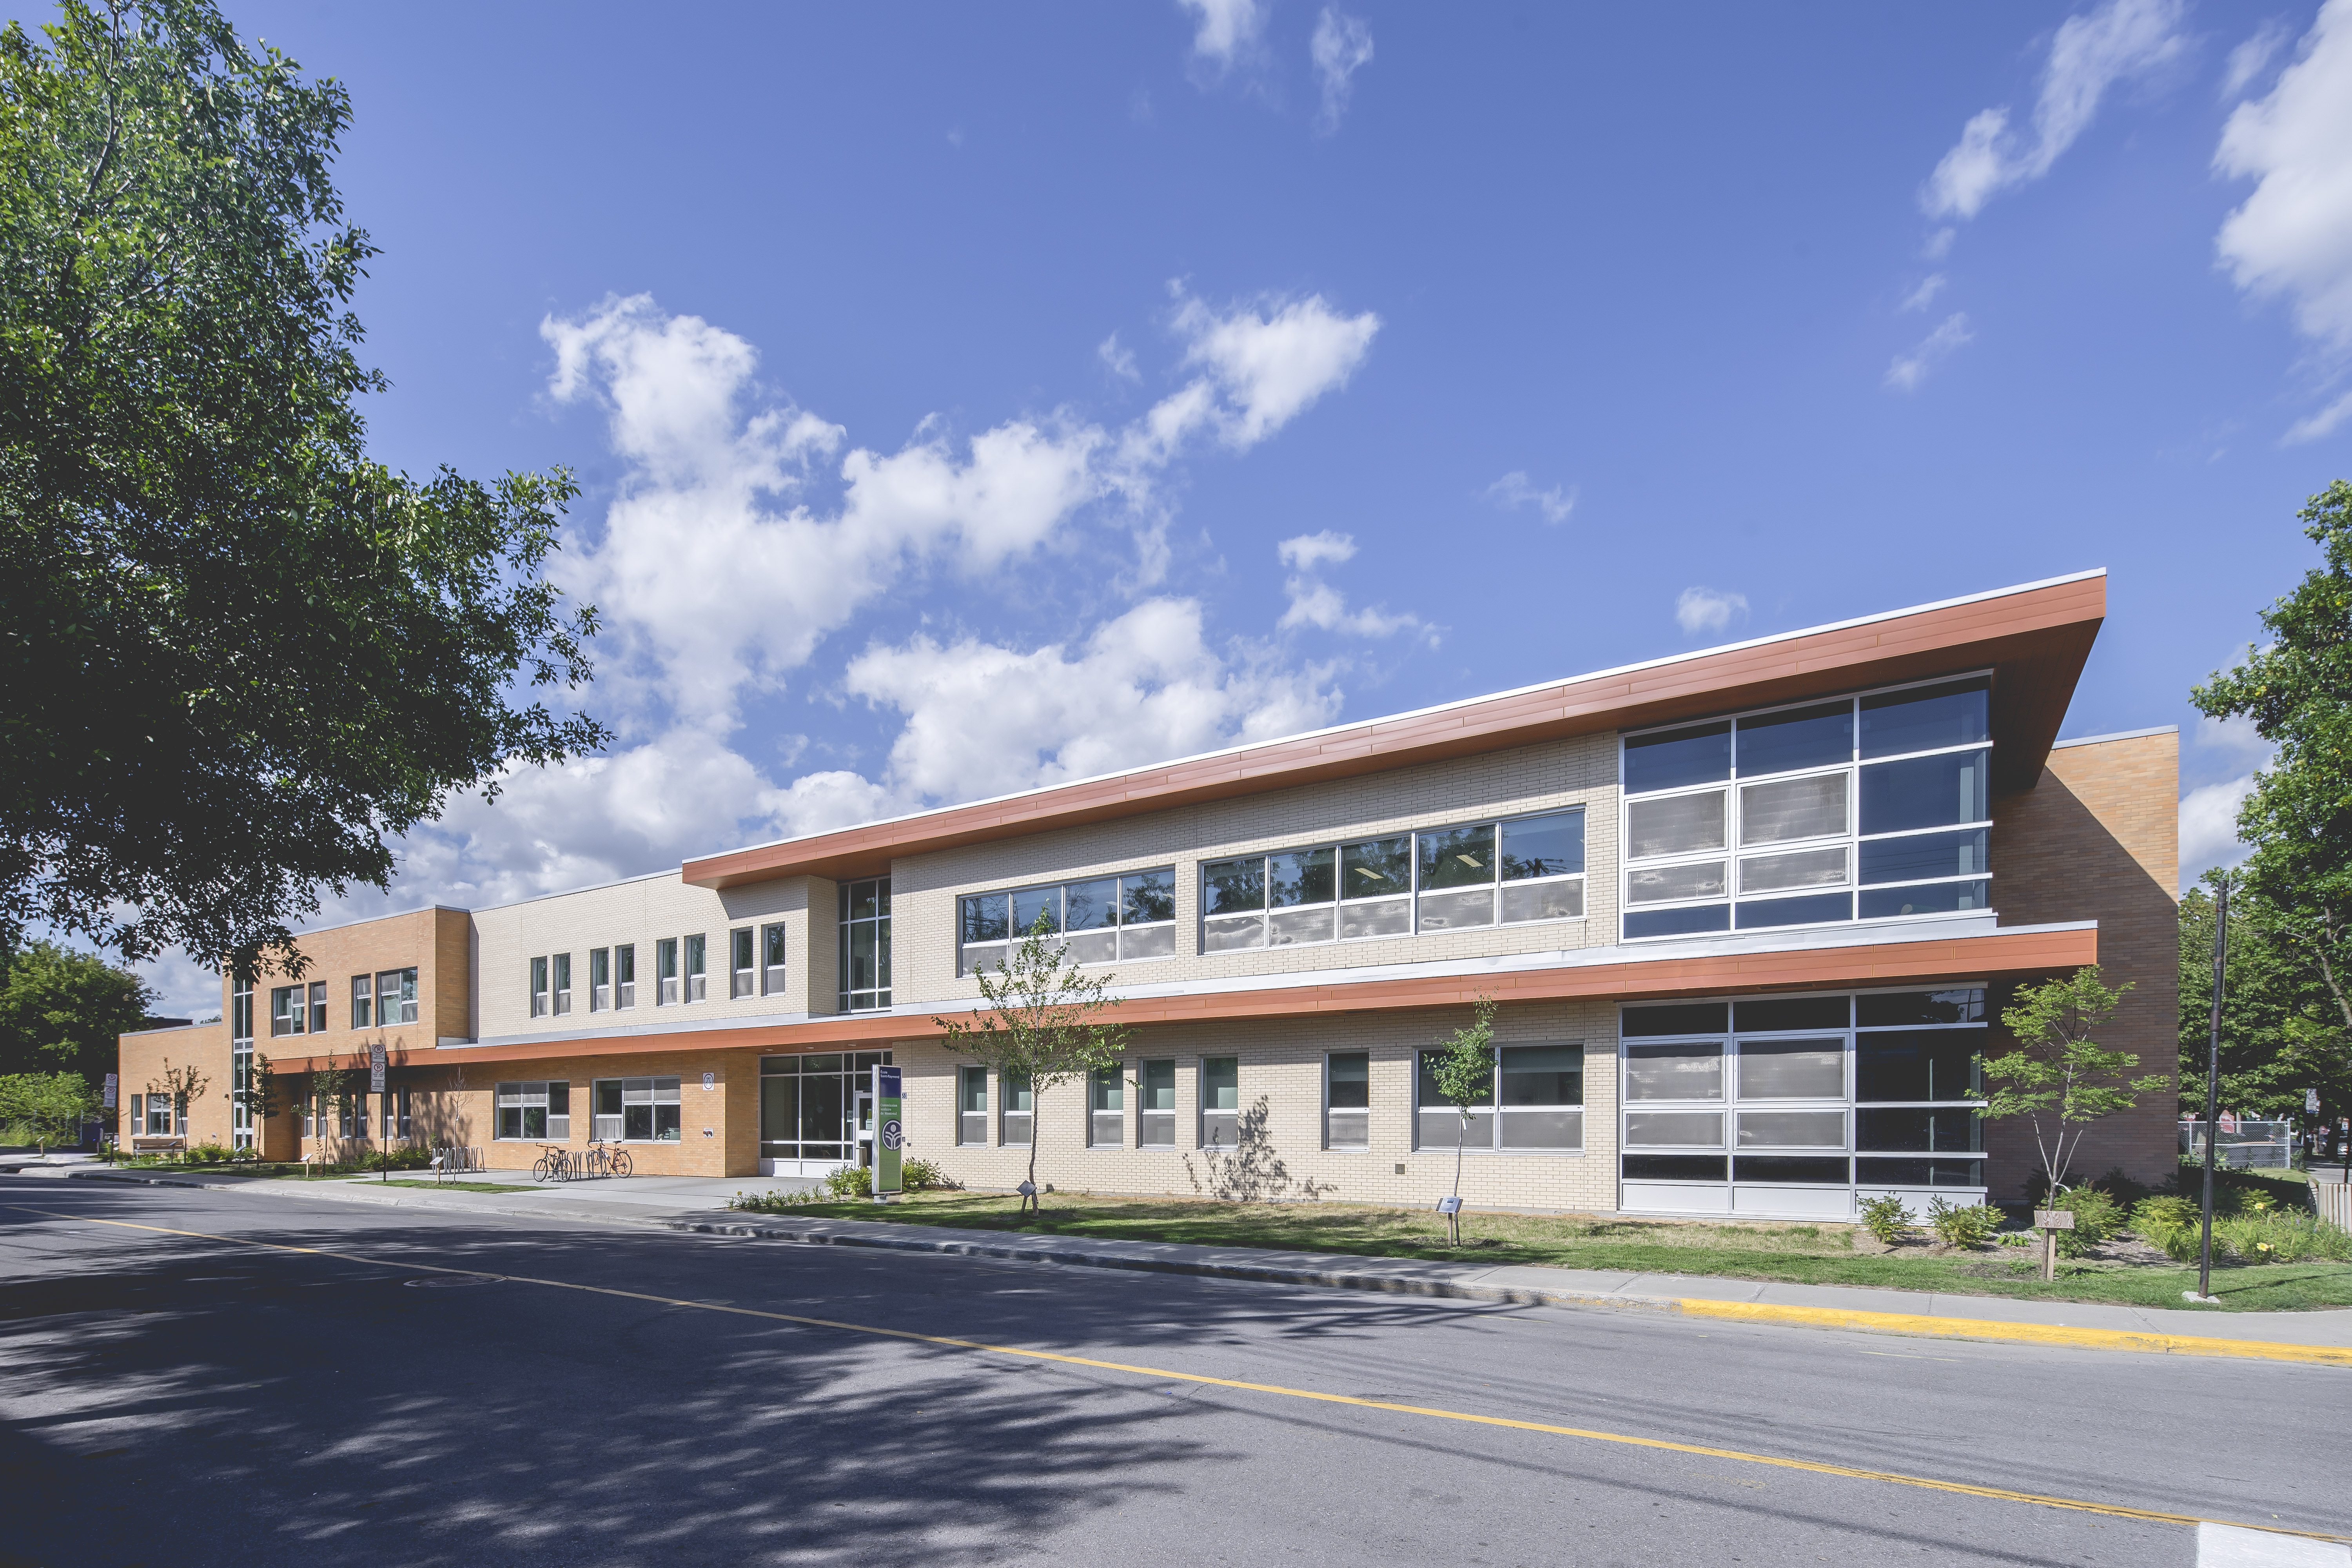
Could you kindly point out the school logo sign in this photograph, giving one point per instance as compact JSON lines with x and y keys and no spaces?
{"x":891,"y":1132}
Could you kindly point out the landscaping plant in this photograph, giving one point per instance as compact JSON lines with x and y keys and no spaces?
{"x":1885,"y":1218}
{"x":1959,"y":1225}
{"x":1464,"y":1071}
{"x":2059,"y":1077}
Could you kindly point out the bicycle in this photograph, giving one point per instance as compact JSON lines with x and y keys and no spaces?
{"x":553,"y":1165}
{"x":601,"y":1161}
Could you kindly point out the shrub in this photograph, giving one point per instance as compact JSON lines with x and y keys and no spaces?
{"x":2278,"y":1239}
{"x":408,"y":1157}
{"x":1885,"y":1218}
{"x":210,"y":1153}
{"x":2097,"y":1218}
{"x":771,"y":1202}
{"x":922,"y":1175}
{"x":849,"y":1181}
{"x":1956,"y":1225}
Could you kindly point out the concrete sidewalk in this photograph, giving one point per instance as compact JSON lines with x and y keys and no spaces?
{"x":699,"y":1206}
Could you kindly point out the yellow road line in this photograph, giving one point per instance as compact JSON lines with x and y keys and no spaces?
{"x":1998,"y":1494}
{"x":2030,"y":1333}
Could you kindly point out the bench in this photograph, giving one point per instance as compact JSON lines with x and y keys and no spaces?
{"x":157,"y":1145}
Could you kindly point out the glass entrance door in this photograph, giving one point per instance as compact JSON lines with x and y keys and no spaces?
{"x":811,"y":1116}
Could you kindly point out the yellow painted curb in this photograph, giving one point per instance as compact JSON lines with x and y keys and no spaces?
{"x":2031,"y":1333}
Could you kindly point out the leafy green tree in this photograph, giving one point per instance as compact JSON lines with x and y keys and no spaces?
{"x":2297,"y":690}
{"x":237,"y":656}
{"x":52,"y":1106}
{"x":1043,"y":1025}
{"x":1463,"y":1070}
{"x":2277,"y":1015}
{"x":60,"y":1011}
{"x":2059,"y":1077}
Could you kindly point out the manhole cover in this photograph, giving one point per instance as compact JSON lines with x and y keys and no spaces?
{"x":445,"y":1281}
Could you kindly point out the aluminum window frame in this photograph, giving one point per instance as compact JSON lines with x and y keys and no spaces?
{"x":290,"y":1013}
{"x":848,"y":1072}
{"x":666,"y":980}
{"x":1107,"y":1123}
{"x":971,"y":957}
{"x":1496,"y":1111}
{"x":600,"y":980}
{"x":362,"y":1001}
{"x":624,"y":975}
{"x":396,"y":999}
{"x":522,"y":1096}
{"x":971,"y":1126}
{"x":874,"y":996}
{"x":1332,"y":1141}
{"x":536,"y":987}
{"x":775,"y":958}
{"x":559,"y":980}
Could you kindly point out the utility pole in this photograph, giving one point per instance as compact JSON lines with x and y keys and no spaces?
{"x":2213,"y":1083}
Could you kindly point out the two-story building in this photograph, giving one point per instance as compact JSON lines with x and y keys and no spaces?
{"x":1750,"y":916}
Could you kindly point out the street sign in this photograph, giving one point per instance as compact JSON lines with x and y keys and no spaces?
{"x":889,"y":1133}
{"x":112,"y":1084}
{"x":377,"y":1064}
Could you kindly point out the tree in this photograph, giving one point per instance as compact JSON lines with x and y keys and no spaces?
{"x":61,"y":1010}
{"x":52,"y":1106}
{"x":2059,"y":1077}
{"x":2278,"y":1038}
{"x":2297,"y":690}
{"x":1041,"y":1026}
{"x":238,"y":657}
{"x":1464,"y":1071}
{"x":186,"y":1086}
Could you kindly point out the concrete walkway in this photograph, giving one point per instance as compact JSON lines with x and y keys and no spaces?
{"x":699,"y":1204}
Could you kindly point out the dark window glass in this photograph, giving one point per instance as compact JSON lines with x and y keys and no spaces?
{"x":1302,"y":877}
{"x":1148,"y":896}
{"x":1918,"y":1172}
{"x":827,"y":1063}
{"x":1920,"y":1132}
{"x":1231,"y":886}
{"x":1543,"y":1075}
{"x":1543,"y":846}
{"x":1920,"y":1064}
{"x":1351,"y":1080}
{"x":1797,"y":911}
{"x":1432,"y":1098}
{"x":1672,"y":758}
{"x":1677,"y":922}
{"x":1376,"y":866}
{"x":780,"y":1113}
{"x":1090,"y":906}
{"x":1926,"y":898}
{"x":1682,"y":1018}
{"x":1925,"y":854}
{"x":857,"y":900}
{"x":1811,"y":1170}
{"x":821,"y":1106}
{"x":1031,"y":905}
{"x":1923,"y":792}
{"x":1673,"y":1167}
{"x":1925,"y":717}
{"x":1777,"y":1013}
{"x":1457,"y":857}
{"x":1804,"y":738}
{"x":1893,"y":1009}
{"x":1157,"y":1091}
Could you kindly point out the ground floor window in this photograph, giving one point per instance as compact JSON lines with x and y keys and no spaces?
{"x":971,"y":1105}
{"x":808,"y":1104}
{"x":636,"y":1110}
{"x":536,"y":1111}
{"x":397,"y":1121}
{"x":1347,"y":1100}
{"x":151,"y":1115}
{"x":1020,"y":1111}
{"x":1534,"y":1103}
{"x":1105,"y":1108}
{"x":1155,"y":1105}
{"x":1221,"y":1101}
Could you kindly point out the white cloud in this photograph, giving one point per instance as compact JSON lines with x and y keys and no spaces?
{"x":1701,"y":610}
{"x":1939,"y":244}
{"x":2209,"y":828}
{"x":1514,"y":490}
{"x":2292,"y":235}
{"x":1120,"y":361}
{"x":1919,"y":299}
{"x":1227,"y":29}
{"x":1271,"y":363}
{"x":2319,"y":425}
{"x":1315,"y":603}
{"x":1341,"y":47}
{"x":1309,"y":551}
{"x":1908,"y":371}
{"x":2118,"y":41}
{"x":2248,"y":60}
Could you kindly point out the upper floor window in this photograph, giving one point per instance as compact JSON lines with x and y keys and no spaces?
{"x":600,"y":979}
{"x":1874,"y":807}
{"x":539,"y":987}
{"x":864,"y":944}
{"x":1102,"y":920}
{"x":362,"y":1001}
{"x":318,"y":1006}
{"x":625,"y":974}
{"x":772,"y":960}
{"x":561,"y":965}
{"x":240,"y":1014}
{"x":1439,"y":878}
{"x":395,"y":996}
{"x":665,"y":972}
{"x":695,"y":968}
{"x":287,"y":1014}
{"x":741,"y":974}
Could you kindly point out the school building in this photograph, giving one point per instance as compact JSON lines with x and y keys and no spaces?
{"x":1749,"y":915}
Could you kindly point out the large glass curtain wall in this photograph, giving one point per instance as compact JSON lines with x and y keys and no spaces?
{"x":1793,"y":1103}
{"x":865,"y":946}
{"x":1102,"y":920}
{"x":1440,"y":878}
{"x":808,"y":1104}
{"x":1871,"y":807}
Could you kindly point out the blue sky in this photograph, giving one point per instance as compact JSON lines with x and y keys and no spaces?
{"x":969,"y":397}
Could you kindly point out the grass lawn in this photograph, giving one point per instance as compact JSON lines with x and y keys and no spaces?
{"x":1802,"y":1254}
{"x":444,"y":1186}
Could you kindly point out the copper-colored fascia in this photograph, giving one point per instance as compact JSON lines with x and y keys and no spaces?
{"x":1926,"y":962}
{"x":2035,"y":640}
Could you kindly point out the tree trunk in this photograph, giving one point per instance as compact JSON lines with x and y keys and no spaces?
{"x":1029,"y":1200}
{"x":1454,"y":1220}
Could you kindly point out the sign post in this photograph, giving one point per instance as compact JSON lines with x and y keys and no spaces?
{"x":889,"y":1135}
{"x":113,"y":1084}
{"x":377,"y":1063}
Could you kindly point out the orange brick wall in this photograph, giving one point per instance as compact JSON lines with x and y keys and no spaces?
{"x":2098,"y":838}
{"x":142,"y":1059}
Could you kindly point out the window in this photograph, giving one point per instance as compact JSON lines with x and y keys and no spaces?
{"x":154,"y":1117}
{"x":806,"y":1101}
{"x":362,"y":1001}
{"x":1155,"y":1105}
{"x":539,"y":988}
{"x":1535,"y":1102}
{"x":1103,"y":920}
{"x":772,"y":960}
{"x":665,"y":972}
{"x":397,"y":1121}
{"x":1221,"y":1101}
{"x":741,"y":974}
{"x":1870,"y":807}
{"x":695,"y":969}
{"x":865,"y":946}
{"x":287,"y":1013}
{"x":1105,"y":1108}
{"x":318,"y":1006}
{"x":1347,"y":1100}
{"x":395,"y":997}
{"x":1477,"y":874}
{"x":562,"y":967}
{"x":642,"y":1109}
{"x":971,"y":1105}
{"x":600,"y":979}
{"x":1825,"y":1091}
{"x":242,"y":1125}
{"x":535,"y":1110}
{"x":1017,"y":1117}
{"x":624,"y":975}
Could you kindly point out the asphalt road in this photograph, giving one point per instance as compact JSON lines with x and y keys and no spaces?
{"x":170,"y":1399}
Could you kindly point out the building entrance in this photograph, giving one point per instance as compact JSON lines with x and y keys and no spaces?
{"x":814,"y":1115}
